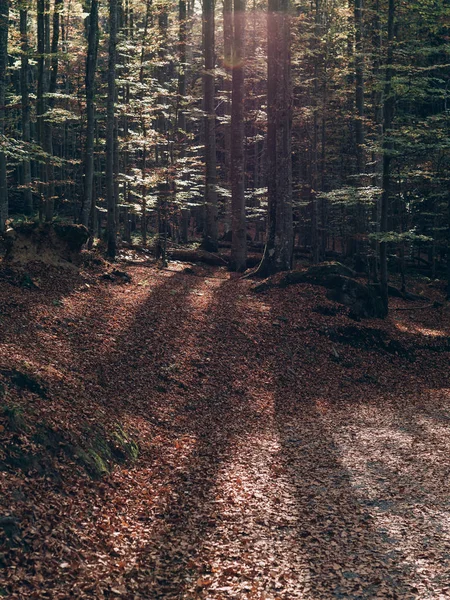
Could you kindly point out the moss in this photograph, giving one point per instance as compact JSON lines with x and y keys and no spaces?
{"x":25,"y":382}
{"x":14,"y":416}
{"x":94,"y":464}
{"x":123,"y":447}
{"x":18,"y":458}
{"x":101,"y":446}
{"x":96,"y":451}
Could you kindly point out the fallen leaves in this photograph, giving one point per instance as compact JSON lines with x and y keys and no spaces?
{"x":270,"y":465}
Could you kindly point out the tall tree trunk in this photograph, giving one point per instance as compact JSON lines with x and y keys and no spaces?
{"x":227,"y":64}
{"x":315,"y":244}
{"x":147,"y":22}
{"x":210,"y":241}
{"x":26,"y":108}
{"x":91,"y":67}
{"x":359,"y":87}
{"x":359,"y":119}
{"x":110,"y":119}
{"x":448,"y":248}
{"x":50,"y":204}
{"x":388,"y":116}
{"x":40,"y":99}
{"x":181,"y":115}
{"x":182,"y":31}
{"x":238,"y":223}
{"x":378,"y":123}
{"x":4,"y":23}
{"x":279,"y":245}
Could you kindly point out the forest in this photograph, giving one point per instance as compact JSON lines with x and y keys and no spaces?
{"x":225,"y":299}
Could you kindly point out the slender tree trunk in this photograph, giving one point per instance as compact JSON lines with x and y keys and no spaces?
{"x":48,"y":129}
{"x":147,"y":22}
{"x":238,"y":223}
{"x":388,"y":115}
{"x":359,"y":120}
{"x":26,"y":109}
{"x":378,"y":122}
{"x":144,"y":198}
{"x":40,"y":100}
{"x":359,"y":87}
{"x":279,"y":245}
{"x":227,"y":85}
{"x":4,"y":23}
{"x":181,"y":115}
{"x":110,"y":119}
{"x":448,"y":249}
{"x":315,"y":243}
{"x":210,"y":241}
{"x":91,"y":67}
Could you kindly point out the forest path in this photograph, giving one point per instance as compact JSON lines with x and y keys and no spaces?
{"x":274,"y":464}
{"x":297,"y":476}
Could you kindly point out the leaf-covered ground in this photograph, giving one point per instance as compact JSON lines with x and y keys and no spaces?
{"x":285,"y":451}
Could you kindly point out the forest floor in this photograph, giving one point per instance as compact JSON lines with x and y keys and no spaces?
{"x":285,"y":451}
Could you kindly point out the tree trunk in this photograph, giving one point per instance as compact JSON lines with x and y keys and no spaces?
{"x":26,"y":109}
{"x":210,"y":241}
{"x":91,"y":67}
{"x":40,"y":100}
{"x":50,"y":204}
{"x":315,"y":243}
{"x":110,"y":119}
{"x":359,"y":87}
{"x":4,"y":23}
{"x":388,"y":115}
{"x":227,"y":65}
{"x":238,"y":223}
{"x":181,"y":115}
{"x":279,"y":245}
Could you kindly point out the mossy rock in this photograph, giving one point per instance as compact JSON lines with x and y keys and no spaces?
{"x":96,"y":451}
{"x":317,"y":274}
{"x":95,"y":464}
{"x":25,"y":382}
{"x":365,"y":302}
{"x":14,"y":417}
{"x":123,"y":447}
{"x":16,"y":457}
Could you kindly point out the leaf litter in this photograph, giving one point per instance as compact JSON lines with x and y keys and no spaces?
{"x":275,"y":460}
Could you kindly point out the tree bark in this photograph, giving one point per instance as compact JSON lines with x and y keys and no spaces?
{"x":279,"y":246}
{"x":48,"y":129}
{"x":181,"y":115}
{"x":26,"y":108}
{"x":91,"y":67}
{"x":238,"y":222}
{"x":388,"y":115}
{"x":227,"y":85}
{"x":315,"y":243}
{"x":40,"y":100}
{"x":359,"y":87}
{"x":4,"y":24}
{"x":110,"y":120}
{"x":210,"y":240}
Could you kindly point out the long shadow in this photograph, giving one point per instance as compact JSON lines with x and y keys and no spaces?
{"x":125,"y":384}
{"x":360,"y":499}
{"x":160,"y":369}
{"x":216,"y":412}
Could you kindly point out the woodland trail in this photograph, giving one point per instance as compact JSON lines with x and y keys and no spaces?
{"x":269,"y":468}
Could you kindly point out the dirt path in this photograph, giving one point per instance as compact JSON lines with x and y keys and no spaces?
{"x":274,"y":464}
